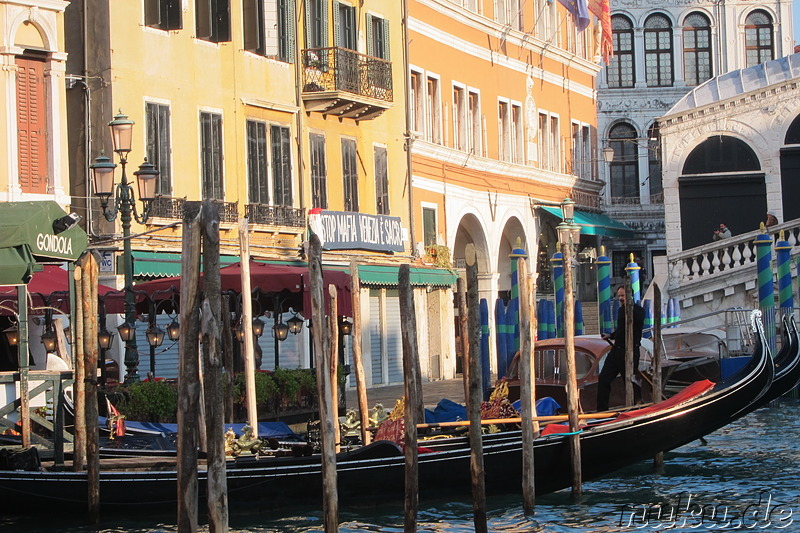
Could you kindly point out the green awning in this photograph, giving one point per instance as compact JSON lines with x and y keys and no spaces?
{"x":595,"y":223}
{"x":386,"y":276}
{"x":165,"y":264}
{"x":28,"y":235}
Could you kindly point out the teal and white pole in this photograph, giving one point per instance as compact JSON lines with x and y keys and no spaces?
{"x":558,"y":285}
{"x":785,"y":298}
{"x":604,"y":292}
{"x":633,"y":271}
{"x":766,"y":287}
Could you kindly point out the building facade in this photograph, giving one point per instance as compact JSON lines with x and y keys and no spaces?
{"x":33,"y":57}
{"x":502,"y":121}
{"x":270,"y":108}
{"x":660,"y":53}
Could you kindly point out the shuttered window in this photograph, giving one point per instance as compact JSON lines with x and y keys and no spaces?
{"x":319,"y":171}
{"x":281,"y":165}
{"x":316,"y":23}
{"x":159,"y":149}
{"x":163,"y":14}
{"x":257,"y":162}
{"x":213,"y":20}
{"x":350,"y":175}
{"x":381,"y":181}
{"x":269,"y":28}
{"x":211,"y":155}
{"x":377,"y":37}
{"x":31,"y":125}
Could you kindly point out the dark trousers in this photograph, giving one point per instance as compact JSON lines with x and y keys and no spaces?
{"x":613,"y":366}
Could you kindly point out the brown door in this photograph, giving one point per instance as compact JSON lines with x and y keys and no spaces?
{"x":31,"y":125}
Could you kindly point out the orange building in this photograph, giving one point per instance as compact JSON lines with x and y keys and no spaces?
{"x":503,"y":120}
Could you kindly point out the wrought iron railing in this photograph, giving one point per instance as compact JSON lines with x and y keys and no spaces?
{"x":167,"y":207}
{"x":625,"y":200}
{"x":228,"y":211}
{"x":275,"y":215}
{"x":340,"y":69}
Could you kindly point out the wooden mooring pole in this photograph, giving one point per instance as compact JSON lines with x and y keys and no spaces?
{"x":572,"y":382}
{"x":413,"y":386}
{"x":89,"y":304}
{"x":463,"y":329}
{"x":247,"y":326}
{"x":333,"y":360}
{"x":358,"y":361}
{"x":629,"y":370}
{"x":527,"y":396}
{"x":79,"y":441}
{"x":658,"y":460}
{"x":475,"y":394}
{"x":322,"y":352}
{"x":213,"y":393}
{"x":189,"y":370}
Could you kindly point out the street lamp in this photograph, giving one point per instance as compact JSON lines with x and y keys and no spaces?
{"x":569,"y":234}
{"x":124,"y":205}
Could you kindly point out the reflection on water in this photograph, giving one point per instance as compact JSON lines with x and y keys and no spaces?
{"x":745,"y":478}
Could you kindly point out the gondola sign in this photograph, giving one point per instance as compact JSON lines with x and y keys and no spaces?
{"x":344,"y":230}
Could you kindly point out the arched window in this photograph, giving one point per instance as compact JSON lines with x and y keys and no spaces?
{"x":654,"y":164}
{"x":620,"y":71}
{"x":658,"y":51}
{"x":697,"y":66}
{"x":721,"y":182}
{"x":758,"y":38}
{"x":624,"y":168}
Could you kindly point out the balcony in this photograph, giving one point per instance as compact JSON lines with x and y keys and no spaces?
{"x":276,"y":215}
{"x":346,"y":84}
{"x":170,"y":208}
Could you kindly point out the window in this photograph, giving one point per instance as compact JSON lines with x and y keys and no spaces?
{"x":758,"y":38}
{"x":620,"y":71}
{"x":344,"y":26}
{"x":696,"y":49}
{"x":281,"y":165}
{"x":475,"y":129}
{"x":543,"y":141}
{"x":654,"y":164}
{"x":269,"y":28}
{"x":504,"y":131}
{"x":508,"y":12}
{"x":159,"y":149}
{"x":417,"y":104}
{"x":257,"y":184}
{"x":316,"y":23}
{"x":350,"y":174}
{"x":377,"y":37}
{"x":31,"y":124}
{"x":429,"y":226}
{"x":381,"y":181}
{"x":319,"y":171}
{"x":555,"y":145}
{"x":213,"y":20}
{"x":625,"y":166}
{"x":163,"y":14}
{"x":433,"y":132}
{"x":459,"y":118}
{"x":658,"y":51}
{"x":517,"y":150}
{"x":211,"y":155}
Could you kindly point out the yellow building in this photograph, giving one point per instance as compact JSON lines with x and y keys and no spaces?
{"x":33,"y":58}
{"x":503,"y":120}
{"x":270,"y":107}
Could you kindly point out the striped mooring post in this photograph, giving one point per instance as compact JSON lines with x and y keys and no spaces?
{"x":785,"y":298}
{"x":515,"y":256}
{"x":578,"y":317}
{"x":486,"y":370}
{"x":512,"y":330}
{"x":648,"y":318}
{"x":500,"y":337}
{"x":766,"y":287}
{"x":604,"y":292}
{"x":558,"y":285}
{"x":633,"y":271}
{"x":551,"y":319}
{"x":541,"y":325}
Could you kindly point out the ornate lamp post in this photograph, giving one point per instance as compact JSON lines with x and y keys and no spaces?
{"x":124,"y":205}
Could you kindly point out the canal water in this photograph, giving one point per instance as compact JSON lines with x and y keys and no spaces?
{"x":744,"y":477}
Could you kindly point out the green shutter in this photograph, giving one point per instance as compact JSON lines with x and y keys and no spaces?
{"x":291,"y":33}
{"x":370,"y":47}
{"x":386,"y":56}
{"x":336,"y":22}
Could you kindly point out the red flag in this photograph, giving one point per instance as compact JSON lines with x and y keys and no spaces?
{"x":602,"y":10}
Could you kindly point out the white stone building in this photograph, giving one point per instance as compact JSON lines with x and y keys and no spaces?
{"x":662,"y":50}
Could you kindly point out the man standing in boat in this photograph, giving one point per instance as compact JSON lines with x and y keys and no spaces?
{"x":615,"y":360}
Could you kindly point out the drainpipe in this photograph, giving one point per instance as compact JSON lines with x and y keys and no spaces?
{"x":298,"y":89}
{"x":409,"y":140}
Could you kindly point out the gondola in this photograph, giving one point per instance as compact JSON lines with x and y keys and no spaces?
{"x":378,"y":469}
